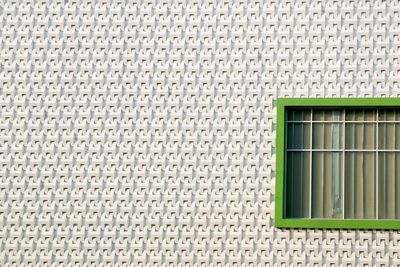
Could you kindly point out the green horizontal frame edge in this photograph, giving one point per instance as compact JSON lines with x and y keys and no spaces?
{"x":282,"y":222}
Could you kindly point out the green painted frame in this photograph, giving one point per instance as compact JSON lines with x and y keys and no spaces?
{"x":280,"y":221}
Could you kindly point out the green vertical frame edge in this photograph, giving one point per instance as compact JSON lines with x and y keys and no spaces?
{"x":280,"y":221}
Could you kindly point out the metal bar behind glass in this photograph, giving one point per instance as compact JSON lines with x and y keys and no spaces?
{"x":340,"y":150}
{"x":301,"y":163}
{"x":311,"y":148}
{"x":364,"y":121}
{"x":343,"y":155}
{"x":286,"y":158}
{"x":376,"y":168}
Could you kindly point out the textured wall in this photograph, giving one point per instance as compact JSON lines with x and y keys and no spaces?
{"x":145,"y":132}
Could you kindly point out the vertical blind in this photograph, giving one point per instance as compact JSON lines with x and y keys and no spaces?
{"x":343,"y":163}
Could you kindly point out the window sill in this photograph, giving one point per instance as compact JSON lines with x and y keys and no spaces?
{"x":381,"y":224}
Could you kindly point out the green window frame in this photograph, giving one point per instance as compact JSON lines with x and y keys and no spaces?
{"x":285,"y":104}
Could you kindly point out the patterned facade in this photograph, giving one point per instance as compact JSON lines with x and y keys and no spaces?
{"x":143,"y":132}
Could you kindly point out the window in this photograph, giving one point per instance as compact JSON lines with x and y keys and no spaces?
{"x":338,"y":163}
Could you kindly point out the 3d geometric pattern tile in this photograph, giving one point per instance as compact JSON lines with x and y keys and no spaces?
{"x":143,"y":132}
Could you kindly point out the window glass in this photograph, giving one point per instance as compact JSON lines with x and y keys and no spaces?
{"x":389,"y":136}
{"x":299,"y":115}
{"x":298,"y":135}
{"x":326,"y":185}
{"x":327,"y":136}
{"x":359,"y":185}
{"x":360,"y":115}
{"x":360,"y":135}
{"x":333,"y":167}
{"x":327,"y":115}
{"x":298,"y":185}
{"x":389,"y":114}
{"x":389,"y":185}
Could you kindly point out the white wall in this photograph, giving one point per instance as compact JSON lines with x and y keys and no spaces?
{"x":144,"y":133}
